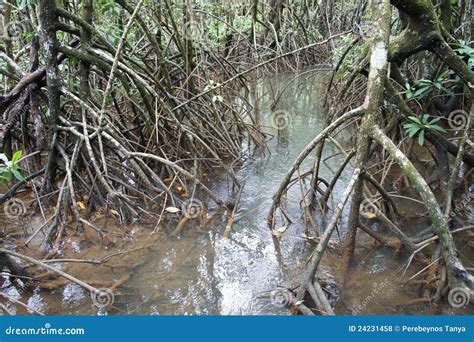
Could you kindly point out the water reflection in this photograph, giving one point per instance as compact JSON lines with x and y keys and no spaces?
{"x":215,"y":275}
{"x":201,"y":272}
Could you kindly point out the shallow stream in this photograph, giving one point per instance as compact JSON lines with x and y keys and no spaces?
{"x":200,"y":271}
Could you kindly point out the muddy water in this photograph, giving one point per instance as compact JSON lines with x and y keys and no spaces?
{"x":199,"y":271}
{"x":205,"y":273}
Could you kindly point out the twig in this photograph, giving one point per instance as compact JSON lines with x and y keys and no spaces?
{"x":88,"y":287}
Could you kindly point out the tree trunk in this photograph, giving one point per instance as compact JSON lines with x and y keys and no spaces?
{"x":372,"y":105}
{"x":48,"y":21}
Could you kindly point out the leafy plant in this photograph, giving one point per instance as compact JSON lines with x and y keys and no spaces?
{"x":24,"y":3}
{"x":10,"y":168}
{"x":410,"y":92}
{"x":464,"y":50}
{"x":423,"y":88}
{"x":418,"y":126}
{"x":445,"y":81}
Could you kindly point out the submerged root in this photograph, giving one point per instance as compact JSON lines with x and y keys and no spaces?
{"x":384,"y":51}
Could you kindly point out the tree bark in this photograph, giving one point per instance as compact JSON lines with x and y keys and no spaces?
{"x":48,"y":20}
{"x":372,"y":106}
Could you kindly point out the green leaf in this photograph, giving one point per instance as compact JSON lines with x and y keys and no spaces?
{"x":438,"y":128}
{"x":411,"y":132}
{"x":425,"y":82}
{"x":434,"y":120}
{"x":7,"y":176}
{"x":422,"y":91}
{"x":421,"y":137}
{"x":415,"y":119}
{"x":23,"y":4}
{"x":18,"y":175}
{"x":4,"y":158}
{"x":17,"y":155}
{"x":411,"y":126}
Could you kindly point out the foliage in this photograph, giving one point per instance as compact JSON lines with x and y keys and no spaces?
{"x":350,"y":59}
{"x":464,"y":50}
{"x":444,"y":83}
{"x":441,"y":85}
{"x":10,"y":168}
{"x":419,"y":126}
